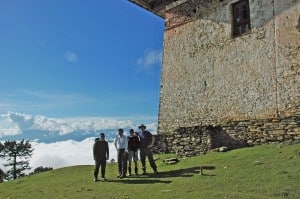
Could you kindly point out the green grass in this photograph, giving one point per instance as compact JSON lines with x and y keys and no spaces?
{"x":263,"y":172}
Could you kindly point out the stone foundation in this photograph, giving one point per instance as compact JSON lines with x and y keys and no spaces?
{"x":197,"y":140}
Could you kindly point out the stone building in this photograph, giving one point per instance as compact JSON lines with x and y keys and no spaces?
{"x":230,"y":74}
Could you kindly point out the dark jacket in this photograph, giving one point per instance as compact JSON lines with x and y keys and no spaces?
{"x":133,"y":143}
{"x":145,"y":139}
{"x":100,"y":150}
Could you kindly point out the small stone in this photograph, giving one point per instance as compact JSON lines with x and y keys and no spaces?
{"x":223,"y":149}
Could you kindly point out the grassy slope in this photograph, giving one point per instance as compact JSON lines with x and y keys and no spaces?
{"x":268,"y":171}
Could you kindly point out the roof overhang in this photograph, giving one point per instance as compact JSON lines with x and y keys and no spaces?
{"x":157,"y":7}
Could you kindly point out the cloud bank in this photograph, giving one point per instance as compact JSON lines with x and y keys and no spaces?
{"x":65,"y":153}
{"x":13,"y":123}
{"x":64,"y":142}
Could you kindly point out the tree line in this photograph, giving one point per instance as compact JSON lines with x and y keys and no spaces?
{"x":16,"y":156}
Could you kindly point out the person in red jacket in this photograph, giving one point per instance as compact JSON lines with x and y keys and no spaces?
{"x":101,"y":154}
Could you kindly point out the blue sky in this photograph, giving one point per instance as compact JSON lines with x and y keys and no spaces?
{"x":66,"y":58}
{"x":70,"y":69}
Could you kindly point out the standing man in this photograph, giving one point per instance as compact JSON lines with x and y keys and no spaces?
{"x":101,"y":154}
{"x":121,"y":144}
{"x":133,"y":146}
{"x":146,"y":143}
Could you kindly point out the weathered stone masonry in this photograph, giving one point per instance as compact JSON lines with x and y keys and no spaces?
{"x":197,"y":140}
{"x":219,"y":90}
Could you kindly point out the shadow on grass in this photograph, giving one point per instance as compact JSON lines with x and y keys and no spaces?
{"x":151,"y":178}
{"x":187,"y":172}
{"x":139,"y":181}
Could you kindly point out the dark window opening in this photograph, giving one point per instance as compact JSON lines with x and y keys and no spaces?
{"x":241,"y":17}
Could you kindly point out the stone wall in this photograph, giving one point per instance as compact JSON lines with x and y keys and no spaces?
{"x":248,"y":86}
{"x":197,"y":140}
{"x":210,"y":77}
{"x":287,"y":34}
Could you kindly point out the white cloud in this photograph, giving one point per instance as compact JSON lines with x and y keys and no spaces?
{"x":7,"y":127}
{"x":9,"y":130}
{"x":65,"y":153}
{"x":150,"y":58}
{"x":14,"y":123}
{"x":24,"y":121}
{"x":70,"y":56}
{"x":69,"y":152}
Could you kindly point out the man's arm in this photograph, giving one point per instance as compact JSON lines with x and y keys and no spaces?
{"x":115,"y":142}
{"x":107,"y":151}
{"x":94,"y":151}
{"x":152,"y":141}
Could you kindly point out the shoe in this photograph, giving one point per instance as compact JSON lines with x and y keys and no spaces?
{"x":119,"y":175}
{"x":95,"y":179}
{"x":122,"y":176}
{"x":103,"y":179}
{"x":156,"y":173}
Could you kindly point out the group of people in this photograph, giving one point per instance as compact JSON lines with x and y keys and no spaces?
{"x":127,"y":148}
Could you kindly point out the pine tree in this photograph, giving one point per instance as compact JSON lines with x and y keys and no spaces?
{"x":17,"y":156}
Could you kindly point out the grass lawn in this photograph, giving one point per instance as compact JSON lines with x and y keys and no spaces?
{"x":263,"y":172}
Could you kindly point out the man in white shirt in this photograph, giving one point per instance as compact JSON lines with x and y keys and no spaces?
{"x":121,"y":144}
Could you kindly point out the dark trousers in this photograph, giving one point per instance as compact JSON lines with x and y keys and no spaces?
{"x":147,"y":152}
{"x":122,"y":162}
{"x":100,"y":163}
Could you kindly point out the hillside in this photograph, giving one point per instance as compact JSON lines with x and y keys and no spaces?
{"x":266,"y":172}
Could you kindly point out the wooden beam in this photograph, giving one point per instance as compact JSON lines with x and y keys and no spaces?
{"x":157,"y":7}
